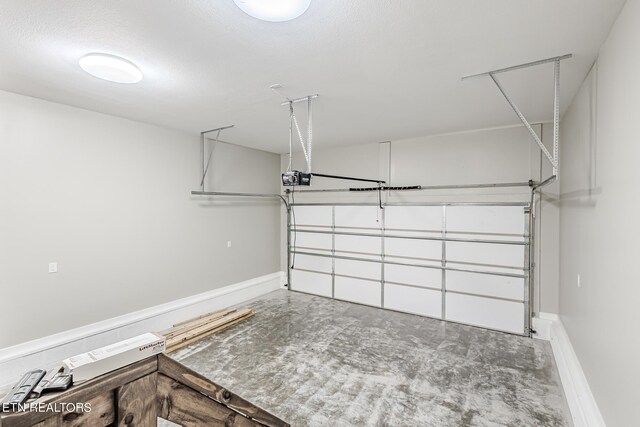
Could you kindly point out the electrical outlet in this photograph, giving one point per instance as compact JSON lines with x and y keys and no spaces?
{"x":53,"y":267}
{"x":578,"y":281}
{"x":228,"y":243}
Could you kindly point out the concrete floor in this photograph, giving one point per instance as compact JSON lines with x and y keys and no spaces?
{"x":318,"y":362}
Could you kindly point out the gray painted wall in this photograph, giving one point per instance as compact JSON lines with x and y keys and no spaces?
{"x":484,"y":156}
{"x":108,"y":199}
{"x":599,"y":223}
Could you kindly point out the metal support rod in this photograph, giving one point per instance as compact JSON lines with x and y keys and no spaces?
{"x":433,"y":267}
{"x":398,"y":236}
{"x":333,"y":252}
{"x":547,"y":181}
{"x":382,"y":257}
{"x":288,"y":245}
{"x":290,"y":137}
{"x":430,"y":187}
{"x":524,"y":121}
{"x":202,"y":156}
{"x":518,"y":67}
{"x":309,"y":133}
{"x":529,"y":263}
{"x":205,"y":165}
{"x":443,"y":263}
{"x":303,"y":98}
{"x":217,"y":129}
{"x":226,"y":193}
{"x":230,"y":194}
{"x":556,"y":114}
{"x":416,"y":204}
{"x":206,"y":168}
{"x":302,"y":142}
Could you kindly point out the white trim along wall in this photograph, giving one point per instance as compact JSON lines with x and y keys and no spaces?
{"x":582,"y":404}
{"x":44,"y":352}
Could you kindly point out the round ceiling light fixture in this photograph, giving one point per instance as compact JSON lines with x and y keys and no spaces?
{"x":111,"y":68}
{"x":274,"y":10}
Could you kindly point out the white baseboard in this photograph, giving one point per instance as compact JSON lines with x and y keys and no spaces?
{"x":583,"y":407}
{"x":542,"y":325}
{"x":47,"y":351}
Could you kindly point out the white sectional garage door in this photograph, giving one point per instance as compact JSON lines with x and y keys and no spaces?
{"x":466,"y":263}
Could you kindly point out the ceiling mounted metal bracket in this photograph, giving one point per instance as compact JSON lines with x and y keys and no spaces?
{"x":295,"y":101}
{"x":293,"y":122}
{"x":553,"y":158}
{"x":205,"y":165}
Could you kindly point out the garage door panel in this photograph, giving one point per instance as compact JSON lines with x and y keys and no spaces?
{"x":413,"y":248}
{"x":312,"y":283}
{"x":360,"y":244}
{"x":497,"y":286}
{"x":418,"y":276}
{"x":316,"y":263}
{"x":369,"y":270}
{"x":490,"y":254}
{"x":414,"y":218}
{"x":357,"y":290}
{"x":312,"y":240}
{"x":424,"y":302}
{"x":358,"y":216}
{"x":486,"y":312}
{"x":313,"y":215}
{"x":486,"y":219}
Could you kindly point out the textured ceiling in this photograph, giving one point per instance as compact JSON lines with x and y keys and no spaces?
{"x":384,"y":69}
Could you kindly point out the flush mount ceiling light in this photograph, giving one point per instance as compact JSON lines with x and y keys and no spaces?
{"x":111,"y":68}
{"x":274,"y":10}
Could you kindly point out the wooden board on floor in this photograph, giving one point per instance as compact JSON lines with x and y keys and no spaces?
{"x":186,"y":325}
{"x":180,"y":340}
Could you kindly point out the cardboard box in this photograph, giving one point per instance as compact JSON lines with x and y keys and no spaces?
{"x":106,"y":359}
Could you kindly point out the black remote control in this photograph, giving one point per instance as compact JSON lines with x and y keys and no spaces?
{"x":22,"y":389}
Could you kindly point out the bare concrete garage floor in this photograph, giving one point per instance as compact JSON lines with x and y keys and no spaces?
{"x":319,"y":362}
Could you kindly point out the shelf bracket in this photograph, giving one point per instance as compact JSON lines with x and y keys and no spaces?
{"x":203,"y":140}
{"x":552,"y":157}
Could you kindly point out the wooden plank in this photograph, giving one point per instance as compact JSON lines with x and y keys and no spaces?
{"x":83,"y":392}
{"x":188,"y":335}
{"x":186,"y":407}
{"x":176,"y":344}
{"x":182,"y":327}
{"x":214,"y":324}
{"x":178,"y":372}
{"x":137,"y":402}
{"x":214,"y":315}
